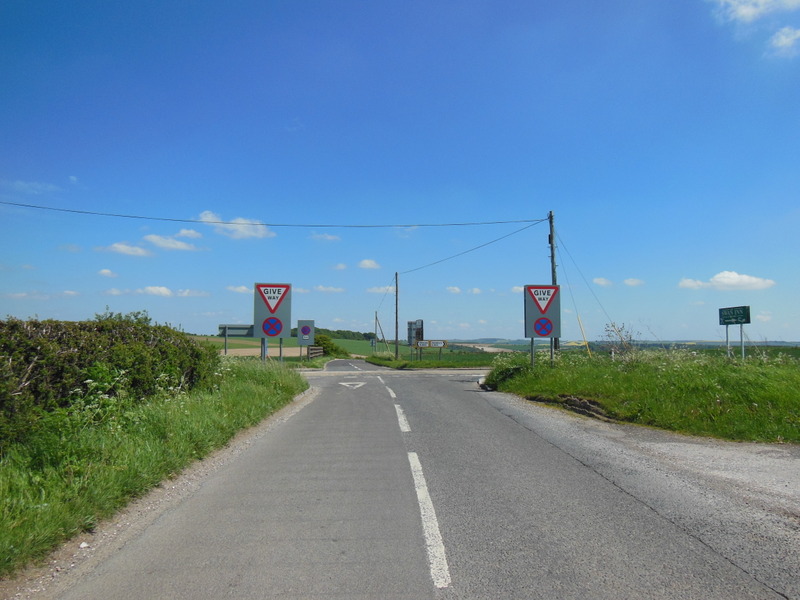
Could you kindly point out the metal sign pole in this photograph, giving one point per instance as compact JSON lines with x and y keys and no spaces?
{"x":741,"y":338}
{"x":533,"y":351}
{"x":727,"y":342}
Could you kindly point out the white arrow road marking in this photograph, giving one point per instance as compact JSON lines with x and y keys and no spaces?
{"x":352,"y":384}
{"x":437,"y":559}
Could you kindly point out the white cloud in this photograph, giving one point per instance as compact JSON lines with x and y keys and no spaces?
{"x":238,"y":228}
{"x":169,"y":243}
{"x":328,"y":289}
{"x":727,"y":280}
{"x":189,"y":233}
{"x":73,"y":179}
{"x":602,"y":281}
{"x":32,"y":188}
{"x":156,"y":290}
{"x":764,"y":317}
{"x":786,"y":41}
{"x":299,"y":290}
{"x":386,"y":289}
{"x":163,"y":291}
{"x":453,"y":289}
{"x":240,"y":289}
{"x":747,"y":11}
{"x":71,"y":293}
{"x":115,"y":292}
{"x":474,"y":291}
{"x":340,"y":267}
{"x":633,"y":282}
{"x":325,"y":237}
{"x":127,"y":249}
{"x":107,"y":273}
{"x":192,"y":294}
{"x":517,"y":289}
{"x":368,"y":263}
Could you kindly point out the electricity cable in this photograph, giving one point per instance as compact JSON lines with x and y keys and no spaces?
{"x":264,"y":224}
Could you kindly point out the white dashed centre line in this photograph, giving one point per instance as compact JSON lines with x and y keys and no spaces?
{"x":437,"y":559}
{"x":401,"y":419}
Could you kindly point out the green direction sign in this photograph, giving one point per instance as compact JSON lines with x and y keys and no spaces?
{"x":734,"y":315}
{"x":272,"y":310}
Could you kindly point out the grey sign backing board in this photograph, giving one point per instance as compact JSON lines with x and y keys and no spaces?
{"x":542,"y":311}
{"x":272,"y":310}
{"x":305,"y":333}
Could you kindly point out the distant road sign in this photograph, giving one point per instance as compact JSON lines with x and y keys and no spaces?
{"x":236,"y":330}
{"x":305,"y":333}
{"x":734,"y":315}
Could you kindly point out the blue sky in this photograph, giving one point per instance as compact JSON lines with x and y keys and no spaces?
{"x":258,"y":137}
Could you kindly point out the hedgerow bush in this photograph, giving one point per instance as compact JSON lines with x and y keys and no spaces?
{"x":49,"y":365}
{"x":331,"y":348}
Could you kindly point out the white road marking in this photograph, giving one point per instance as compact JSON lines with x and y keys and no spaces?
{"x":391,"y":392}
{"x":381,"y":379}
{"x":437,"y":559}
{"x":352,"y":384}
{"x":401,"y":419}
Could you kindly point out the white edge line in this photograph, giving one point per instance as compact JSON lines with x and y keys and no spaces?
{"x":391,"y":393}
{"x":437,"y":559}
{"x":401,"y":419}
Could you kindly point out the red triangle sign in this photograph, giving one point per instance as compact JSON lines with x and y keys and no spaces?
{"x":543,"y":296}
{"x":272,"y":294}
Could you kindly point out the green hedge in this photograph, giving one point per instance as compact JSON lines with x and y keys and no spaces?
{"x":47,"y":365}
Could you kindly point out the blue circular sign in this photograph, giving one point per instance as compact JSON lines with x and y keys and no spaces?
{"x":543,"y":327}
{"x":272,"y":326}
{"x":305,"y":330}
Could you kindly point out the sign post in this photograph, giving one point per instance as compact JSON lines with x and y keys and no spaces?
{"x":542,"y":314}
{"x":734,"y":315}
{"x":272,"y":313}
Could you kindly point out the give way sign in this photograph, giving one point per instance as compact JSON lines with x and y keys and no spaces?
{"x":542,"y":311}
{"x":272,"y":310}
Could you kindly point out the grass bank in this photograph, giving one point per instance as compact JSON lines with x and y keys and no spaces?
{"x":430,"y":359}
{"x":85,"y":463}
{"x":689,"y":392}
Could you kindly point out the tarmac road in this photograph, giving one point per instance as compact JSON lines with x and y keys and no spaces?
{"x":418,"y":484}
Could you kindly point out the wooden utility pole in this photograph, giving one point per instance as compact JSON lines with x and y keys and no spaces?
{"x":396,"y":318}
{"x":552,"y":239}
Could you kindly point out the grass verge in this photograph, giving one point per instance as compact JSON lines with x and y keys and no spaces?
{"x":683,"y":391}
{"x":431,"y":360}
{"x":82,"y":466}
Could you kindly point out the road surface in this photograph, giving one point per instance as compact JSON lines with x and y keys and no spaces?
{"x":418,"y":484}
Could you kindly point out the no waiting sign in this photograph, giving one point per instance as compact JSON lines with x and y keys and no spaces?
{"x":542,"y":311}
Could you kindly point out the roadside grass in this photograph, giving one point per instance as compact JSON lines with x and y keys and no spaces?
{"x":697,"y":393}
{"x":82,"y":465}
{"x":430,"y":359}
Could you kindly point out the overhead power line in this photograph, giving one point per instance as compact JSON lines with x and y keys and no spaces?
{"x":530,"y":224}
{"x":265,"y":224}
